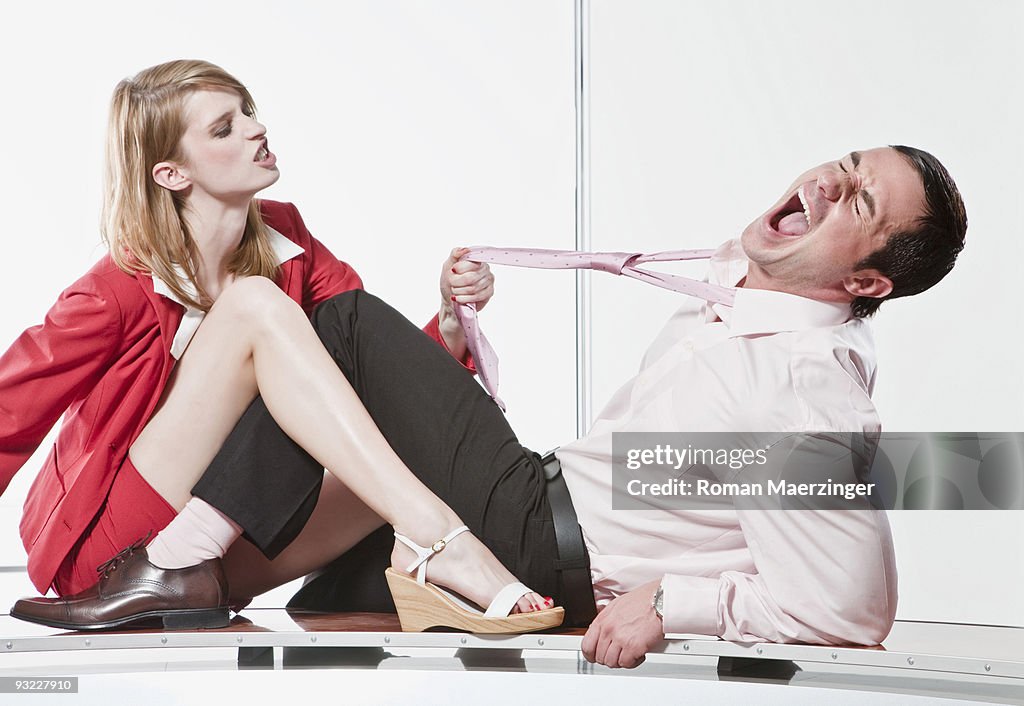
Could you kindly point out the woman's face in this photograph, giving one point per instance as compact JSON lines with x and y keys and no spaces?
{"x":225,"y":150}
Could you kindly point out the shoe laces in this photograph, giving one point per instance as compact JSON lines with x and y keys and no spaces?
{"x":113,"y":562}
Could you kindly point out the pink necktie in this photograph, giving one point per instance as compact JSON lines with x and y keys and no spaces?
{"x":616,"y":263}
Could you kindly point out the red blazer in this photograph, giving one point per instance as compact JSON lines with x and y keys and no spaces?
{"x":102,"y":358}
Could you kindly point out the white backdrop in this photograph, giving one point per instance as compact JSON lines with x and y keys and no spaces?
{"x":702,"y":114}
{"x":421,"y":125}
{"x":431,"y":124}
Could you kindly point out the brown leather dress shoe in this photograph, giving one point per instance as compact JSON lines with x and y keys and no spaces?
{"x":132,"y":591}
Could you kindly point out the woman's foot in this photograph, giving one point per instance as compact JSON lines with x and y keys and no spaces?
{"x":467,"y":567}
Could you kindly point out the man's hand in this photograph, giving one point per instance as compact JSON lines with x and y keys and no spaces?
{"x":466,"y":283}
{"x":623,"y":632}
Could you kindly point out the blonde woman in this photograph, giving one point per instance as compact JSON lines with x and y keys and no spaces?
{"x":153,"y":356}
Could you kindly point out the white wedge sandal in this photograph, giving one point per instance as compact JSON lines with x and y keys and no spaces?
{"x":422,"y":605}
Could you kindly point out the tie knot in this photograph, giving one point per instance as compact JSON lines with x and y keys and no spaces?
{"x":611,"y":262}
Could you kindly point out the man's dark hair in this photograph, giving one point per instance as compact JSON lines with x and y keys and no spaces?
{"x":917,"y":259}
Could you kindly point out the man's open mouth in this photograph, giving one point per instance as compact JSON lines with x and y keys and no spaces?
{"x":793,"y":218}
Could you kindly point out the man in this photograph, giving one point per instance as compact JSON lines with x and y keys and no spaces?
{"x":847,"y":235}
{"x":791,"y":355}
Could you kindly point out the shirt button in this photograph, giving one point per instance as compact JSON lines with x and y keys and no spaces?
{"x":688,"y":346}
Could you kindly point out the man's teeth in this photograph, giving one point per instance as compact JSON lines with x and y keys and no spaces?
{"x":803,"y":202}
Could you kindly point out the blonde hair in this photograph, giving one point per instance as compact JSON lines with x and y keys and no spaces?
{"x":143,"y":223}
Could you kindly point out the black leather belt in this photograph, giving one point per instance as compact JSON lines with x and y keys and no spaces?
{"x":573,"y":565}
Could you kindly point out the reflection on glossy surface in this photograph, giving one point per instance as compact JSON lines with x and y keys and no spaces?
{"x":926,"y":660}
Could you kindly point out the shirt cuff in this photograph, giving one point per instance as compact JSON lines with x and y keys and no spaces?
{"x":433,"y":329}
{"x":690,"y":604}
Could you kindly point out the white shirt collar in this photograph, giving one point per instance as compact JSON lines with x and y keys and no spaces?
{"x":284,"y":250}
{"x":763,"y":311}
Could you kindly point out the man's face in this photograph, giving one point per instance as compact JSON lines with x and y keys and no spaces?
{"x":830,"y":219}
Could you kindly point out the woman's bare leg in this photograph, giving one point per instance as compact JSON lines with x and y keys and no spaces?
{"x":256,"y":339}
{"x":322,"y":540}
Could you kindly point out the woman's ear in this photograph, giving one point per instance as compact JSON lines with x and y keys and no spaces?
{"x":170,"y":176}
{"x":868,"y":283}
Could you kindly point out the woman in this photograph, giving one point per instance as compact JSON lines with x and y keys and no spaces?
{"x":157,"y":351}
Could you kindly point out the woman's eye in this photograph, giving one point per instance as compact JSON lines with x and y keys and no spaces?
{"x":224,"y":131}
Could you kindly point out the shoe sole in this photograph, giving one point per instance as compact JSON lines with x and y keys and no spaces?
{"x":422,"y":606}
{"x":206,"y":618}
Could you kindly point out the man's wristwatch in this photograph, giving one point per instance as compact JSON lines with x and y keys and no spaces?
{"x":658,"y":603}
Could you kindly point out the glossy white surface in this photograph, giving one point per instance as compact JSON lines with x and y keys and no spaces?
{"x":929,"y":660}
{"x":430,"y":687}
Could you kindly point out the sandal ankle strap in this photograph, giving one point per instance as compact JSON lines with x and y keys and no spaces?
{"x":423,"y":554}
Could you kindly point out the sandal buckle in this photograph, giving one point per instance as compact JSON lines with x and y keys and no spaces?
{"x":438,"y":546}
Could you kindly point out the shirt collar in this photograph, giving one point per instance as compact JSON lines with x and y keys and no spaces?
{"x":284,"y":250}
{"x":761,"y":311}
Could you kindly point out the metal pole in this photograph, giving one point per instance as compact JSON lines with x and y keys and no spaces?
{"x":583,"y":311}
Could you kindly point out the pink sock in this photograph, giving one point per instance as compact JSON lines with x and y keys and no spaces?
{"x":199,"y":532}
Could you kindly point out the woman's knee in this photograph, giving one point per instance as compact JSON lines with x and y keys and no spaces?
{"x":356,"y":305}
{"x":340,"y":306}
{"x":256,"y":299}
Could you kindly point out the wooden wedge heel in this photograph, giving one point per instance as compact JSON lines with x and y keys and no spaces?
{"x":422,"y":605}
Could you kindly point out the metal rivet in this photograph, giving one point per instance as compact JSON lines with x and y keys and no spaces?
{"x":686,"y":646}
{"x":88,"y":642}
{"x":238,"y":639}
{"x":540,"y":642}
{"x":910,"y":660}
{"x":988,"y":667}
{"x":760,"y":650}
{"x":312,"y":638}
{"x":10,"y":645}
{"x":462,"y":640}
{"x":387,"y":639}
{"x":163,"y":640}
{"x":835,"y":655}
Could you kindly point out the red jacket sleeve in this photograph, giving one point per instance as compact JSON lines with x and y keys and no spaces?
{"x":50,"y":365}
{"x":327,"y":276}
{"x":432,"y":329}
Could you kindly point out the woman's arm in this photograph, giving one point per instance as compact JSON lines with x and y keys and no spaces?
{"x":50,"y":365}
{"x":327,"y":276}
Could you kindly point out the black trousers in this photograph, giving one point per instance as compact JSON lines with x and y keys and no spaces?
{"x":441,"y":424}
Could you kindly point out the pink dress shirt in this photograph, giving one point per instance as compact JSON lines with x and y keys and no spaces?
{"x":775,"y":362}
